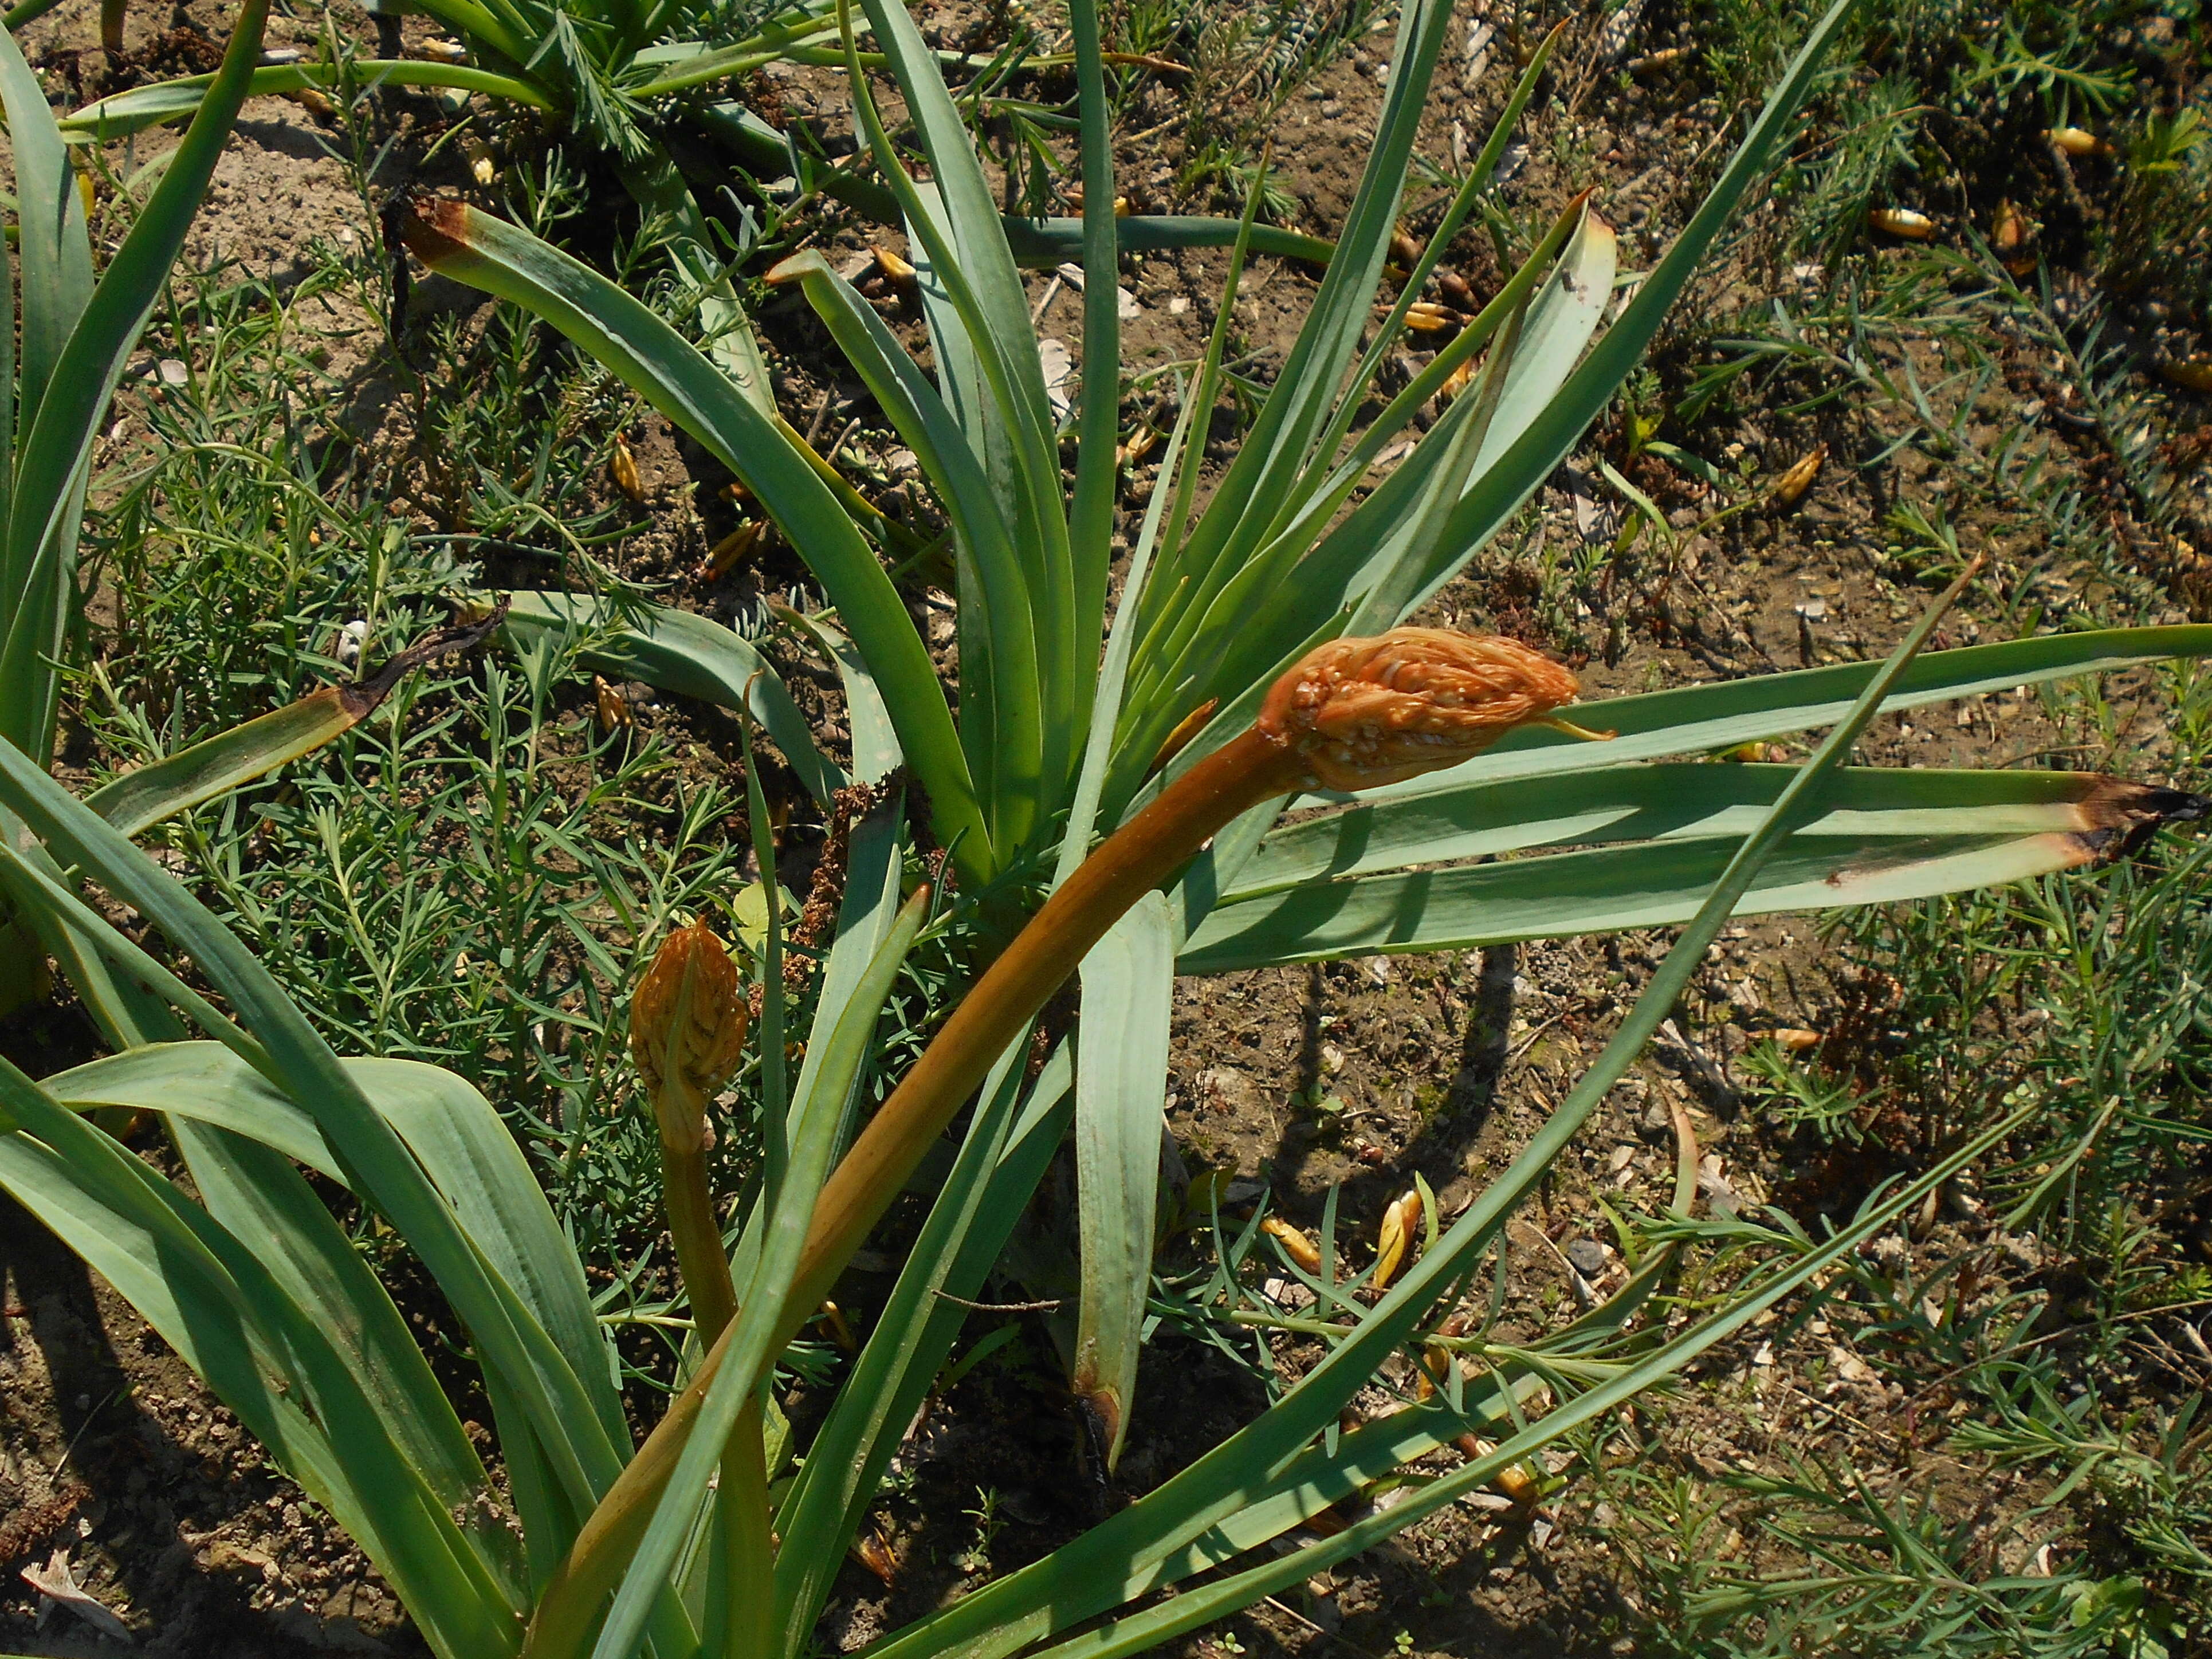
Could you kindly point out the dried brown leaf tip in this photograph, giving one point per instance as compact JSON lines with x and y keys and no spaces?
{"x":687,"y":1029}
{"x":1363,"y":713}
{"x":433,"y":227}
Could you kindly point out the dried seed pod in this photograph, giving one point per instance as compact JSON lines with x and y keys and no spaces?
{"x":1394,"y":1238}
{"x":1457,"y":289}
{"x":687,"y":1029}
{"x":1793,"y":1039}
{"x":1296,"y":1245}
{"x":1902,"y":222}
{"x":895,"y":266}
{"x":623,"y":469}
{"x":1427,"y":316}
{"x":1436,"y":1360}
{"x":613,"y":710}
{"x":1790,"y":489}
{"x":870,"y":1550}
{"x":2009,"y":235}
{"x":2078,"y":142}
{"x":733,"y":548}
{"x":1141,"y":444}
{"x":1513,"y":1481}
{"x":315,"y":103}
{"x":1363,"y":713}
{"x":2194,"y":373}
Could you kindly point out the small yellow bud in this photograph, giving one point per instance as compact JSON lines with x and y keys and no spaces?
{"x":1296,"y":1245}
{"x":1903,"y":223}
{"x":2078,"y":142}
{"x":1394,"y":1237}
{"x":1791,"y":487}
{"x":623,"y":469}
{"x":613,"y":712}
{"x":895,"y":268}
{"x":731,"y":549}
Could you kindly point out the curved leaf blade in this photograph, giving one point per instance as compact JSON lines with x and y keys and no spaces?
{"x":1657,"y":884}
{"x":683,"y":651}
{"x":664,"y":368}
{"x":1677,"y":801}
{"x":1120,"y":1081}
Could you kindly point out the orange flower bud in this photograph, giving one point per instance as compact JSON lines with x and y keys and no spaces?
{"x":687,"y":1028}
{"x":1362,"y":712}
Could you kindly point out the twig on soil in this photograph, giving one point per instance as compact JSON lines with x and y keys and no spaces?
{"x":1051,"y":1304}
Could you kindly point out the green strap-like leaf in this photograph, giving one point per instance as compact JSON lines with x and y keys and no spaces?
{"x":237,"y":1325}
{"x":50,"y":461}
{"x":995,"y":609}
{"x":876,"y":753}
{"x":1128,"y":984}
{"x":1085,"y":1578}
{"x":451,"y":1128}
{"x":126,"y":112}
{"x":54,"y":248}
{"x":254,"y":1194}
{"x":1681,"y":801}
{"x":1001,"y":1159}
{"x":990,"y":370}
{"x":139,"y":799}
{"x":656,"y":362}
{"x":1723,"y":714}
{"x":683,"y":651}
{"x":1099,"y":419}
{"x":1651,"y":886}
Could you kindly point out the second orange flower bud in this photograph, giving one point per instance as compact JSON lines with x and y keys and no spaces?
{"x":687,"y":1030}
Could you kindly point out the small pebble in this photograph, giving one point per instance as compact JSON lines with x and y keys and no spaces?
{"x":1587,"y":1257}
